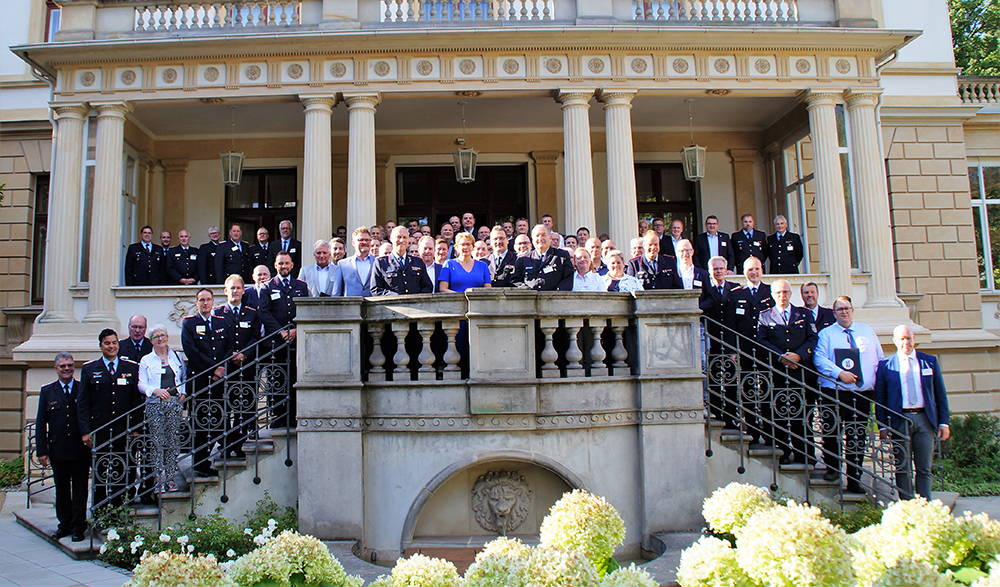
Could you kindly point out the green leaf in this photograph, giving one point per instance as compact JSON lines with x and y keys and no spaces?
{"x":967,"y":575}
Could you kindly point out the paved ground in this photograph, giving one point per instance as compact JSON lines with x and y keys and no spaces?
{"x":26,"y":560}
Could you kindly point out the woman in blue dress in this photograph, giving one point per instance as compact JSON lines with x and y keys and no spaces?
{"x":463,"y":272}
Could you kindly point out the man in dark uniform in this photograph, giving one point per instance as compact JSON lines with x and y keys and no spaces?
{"x":182,"y":262}
{"x":784,"y":249}
{"x":713,"y":303}
{"x":276,"y":311}
{"x":108,"y":409}
{"x":545,"y":268}
{"x":502,"y":260}
{"x":206,"y":258}
{"x":243,"y":327}
{"x":134,"y":348}
{"x":58,"y":443}
{"x":233,"y":256}
{"x":711,"y":243}
{"x":744,"y":310}
{"x":748,"y":242}
{"x":260,"y":252}
{"x":790,"y":336}
{"x":822,"y":317}
{"x":287,"y":244}
{"x":654,"y":270}
{"x":206,"y":344}
{"x":399,"y":273}
{"x":144,"y":261}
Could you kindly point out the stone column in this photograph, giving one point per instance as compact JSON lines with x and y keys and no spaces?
{"x":546,"y":183}
{"x":579,"y":199}
{"x":831,"y":211}
{"x":175,"y":195}
{"x":106,"y":220}
{"x":317,"y":175}
{"x":157,"y":198}
{"x":872,"y":197}
{"x":361,"y":204}
{"x":623,"y":212}
{"x":63,"y":234}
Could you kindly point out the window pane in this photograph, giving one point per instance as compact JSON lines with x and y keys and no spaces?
{"x":852,"y":237}
{"x":414,"y":189}
{"x":88,"y":206}
{"x":980,"y":255}
{"x":991,"y":182}
{"x":993,"y":221}
{"x":245,"y":195}
{"x":974,"y":183}
{"x":280,"y":191}
{"x":675,"y":187}
{"x":644,"y":191}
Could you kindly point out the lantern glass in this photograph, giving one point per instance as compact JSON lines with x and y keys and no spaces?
{"x":465,"y":165}
{"x":232,"y":168}
{"x":694,"y":162}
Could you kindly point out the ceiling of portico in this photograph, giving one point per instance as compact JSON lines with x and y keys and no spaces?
{"x":442,"y":114}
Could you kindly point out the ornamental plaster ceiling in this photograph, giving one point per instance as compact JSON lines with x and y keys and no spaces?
{"x":520,"y":113}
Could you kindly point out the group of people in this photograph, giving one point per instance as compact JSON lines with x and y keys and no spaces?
{"x":220,"y":340}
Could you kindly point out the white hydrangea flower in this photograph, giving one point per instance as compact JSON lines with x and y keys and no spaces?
{"x":183,"y":540}
{"x":729,"y":507}
{"x":164,"y":538}
{"x":584,"y":522}
{"x":230,"y":553}
{"x":711,"y":562}
{"x":113,"y":535}
{"x":190,"y":548}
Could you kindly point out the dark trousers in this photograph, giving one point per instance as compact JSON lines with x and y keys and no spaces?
{"x":850,"y":439}
{"x":920,"y":443}
{"x":280,"y":385}
{"x":71,"y":478}
{"x":207,"y":419}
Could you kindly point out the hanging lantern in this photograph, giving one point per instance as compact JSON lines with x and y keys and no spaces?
{"x":693,"y":156}
{"x":465,"y":158}
{"x":232,"y":162}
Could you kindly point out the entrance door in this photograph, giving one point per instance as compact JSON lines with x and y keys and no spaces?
{"x":662,"y":191}
{"x":430,"y":195}
{"x":265,"y":197}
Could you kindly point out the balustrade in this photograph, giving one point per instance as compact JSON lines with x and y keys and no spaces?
{"x":466,"y":10}
{"x":720,"y":11}
{"x":197,"y":15}
{"x":979,"y":90}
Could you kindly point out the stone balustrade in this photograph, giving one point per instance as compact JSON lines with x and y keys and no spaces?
{"x":717,"y":11}
{"x":979,"y":90}
{"x":169,"y":16}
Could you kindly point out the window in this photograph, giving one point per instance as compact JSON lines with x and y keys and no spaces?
{"x":40,"y":230}
{"x":984,"y":186}
{"x":264,"y":198}
{"x":661,"y":191}
{"x":53,"y":17}
{"x":431,"y":194}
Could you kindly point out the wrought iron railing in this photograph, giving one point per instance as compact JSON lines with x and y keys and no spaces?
{"x":40,"y":477}
{"x":746,"y":390}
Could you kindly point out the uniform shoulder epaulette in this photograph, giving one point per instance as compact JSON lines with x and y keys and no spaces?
{"x":91,"y":362}
{"x":127,"y":360}
{"x":302,"y":282}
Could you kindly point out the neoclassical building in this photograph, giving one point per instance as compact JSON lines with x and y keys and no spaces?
{"x":846,"y":117}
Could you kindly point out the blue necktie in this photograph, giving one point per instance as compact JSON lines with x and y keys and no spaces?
{"x":850,"y":338}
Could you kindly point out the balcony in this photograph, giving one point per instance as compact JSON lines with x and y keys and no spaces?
{"x":979,"y":89}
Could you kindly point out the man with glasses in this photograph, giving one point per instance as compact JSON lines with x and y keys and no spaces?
{"x":840,"y":381}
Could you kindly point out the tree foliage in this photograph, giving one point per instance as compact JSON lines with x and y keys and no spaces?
{"x":975,"y":33}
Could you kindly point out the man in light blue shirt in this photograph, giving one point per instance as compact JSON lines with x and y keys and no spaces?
{"x":854,"y":395}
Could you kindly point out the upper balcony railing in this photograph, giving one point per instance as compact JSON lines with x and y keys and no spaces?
{"x":166,"y":16}
{"x":434,"y":11}
{"x":716,"y":11}
{"x":979,"y":90}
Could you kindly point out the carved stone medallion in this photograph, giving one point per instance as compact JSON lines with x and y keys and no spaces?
{"x":88,"y":79}
{"x":170,"y":75}
{"x":721,"y":65}
{"x":500,"y":501}
{"x":382,"y":69}
{"x":212,"y":74}
{"x":803,"y":66}
{"x":639,"y":65}
{"x":467,"y":66}
{"x":511,"y":66}
{"x":128,"y":77}
{"x":843,"y":66}
{"x":680,"y":65}
{"x":253,"y":72}
{"x":762,"y":66}
{"x":553,"y":65}
{"x":338,"y":70}
{"x":425,"y":67}
{"x":596,"y":65}
{"x":295,"y":71}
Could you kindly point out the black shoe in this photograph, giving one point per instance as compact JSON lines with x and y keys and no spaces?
{"x":786,"y":460}
{"x":855,"y":487}
{"x":60,"y":533}
{"x":147,"y":499}
{"x":78,"y":537}
{"x":203,"y":473}
{"x":831,"y":475}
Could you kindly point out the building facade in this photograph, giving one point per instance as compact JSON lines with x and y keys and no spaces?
{"x":849,"y":118}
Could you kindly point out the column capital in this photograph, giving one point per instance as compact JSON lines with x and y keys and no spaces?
{"x":616,"y":96}
{"x":821,"y":96}
{"x":862,"y":96}
{"x":112,"y":109}
{"x":76,"y":111}
{"x":320,"y":103}
{"x":545,"y":157}
{"x":365,"y":101}
{"x":575,"y":97}
{"x":743,"y":155}
{"x":175,"y":165}
{"x":382,"y":159}
{"x":147,"y":161}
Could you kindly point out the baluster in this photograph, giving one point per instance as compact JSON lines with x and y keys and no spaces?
{"x":511,"y":10}
{"x":523,"y":14}
{"x":172,"y":25}
{"x":726,"y":15}
{"x":451,"y":356}
{"x":619,"y":354}
{"x":219,"y":14}
{"x":671,"y":10}
{"x":435,"y":13}
{"x":659,"y":9}
{"x":780,"y":10}
{"x":197,"y":16}
{"x":140,"y":14}
{"x":272,"y":13}
{"x":534,"y":9}
{"x":479,"y":10}
{"x":704,"y":10}
{"x":185,"y":20}
{"x":980,"y":93}
{"x":491,"y":13}
{"x":682,"y":10}
{"x":758,"y":14}
{"x":768,"y":13}
{"x":377,"y":359}
{"x":468,"y":9}
{"x":793,"y":9}
{"x":421,"y":10}
{"x":647,"y":9}
{"x":546,"y":11}
{"x":597,"y":353}
{"x":549,"y":355}
{"x":715,"y":9}
{"x":160,"y":18}
{"x":409,"y":10}
{"x":399,"y":10}
{"x":639,"y":15}
{"x":426,"y":357}
{"x":387,"y":15}
{"x":574,"y":356}
{"x":402,"y":360}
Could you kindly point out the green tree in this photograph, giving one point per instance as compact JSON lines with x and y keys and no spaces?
{"x":975,"y":34}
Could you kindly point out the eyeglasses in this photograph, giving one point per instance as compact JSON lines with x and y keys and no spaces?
{"x":843,"y":310}
{"x":158,"y":336}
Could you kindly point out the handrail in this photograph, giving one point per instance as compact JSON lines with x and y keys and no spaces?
{"x":33,"y":464}
{"x":726,"y":369}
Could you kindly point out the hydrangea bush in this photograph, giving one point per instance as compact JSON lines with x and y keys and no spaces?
{"x":728,"y":508}
{"x":502,"y":563}
{"x":291,"y":556}
{"x":586,"y":523}
{"x":711,"y":562}
{"x":170,"y":569}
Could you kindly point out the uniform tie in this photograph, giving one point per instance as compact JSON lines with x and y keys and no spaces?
{"x":148,"y":247}
{"x":66,"y":389}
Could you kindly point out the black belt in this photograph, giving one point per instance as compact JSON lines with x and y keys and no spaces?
{"x":913,"y":410}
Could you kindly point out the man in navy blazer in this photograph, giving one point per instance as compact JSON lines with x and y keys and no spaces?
{"x":711,"y":243}
{"x":356,"y":270}
{"x":398,"y":273}
{"x":822,"y":317}
{"x":58,"y":443}
{"x":909,"y":385}
{"x":545,"y":268}
{"x":714,"y":303}
{"x":251,"y":295}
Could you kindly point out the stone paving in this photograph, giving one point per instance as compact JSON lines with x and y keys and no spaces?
{"x":27,"y":560}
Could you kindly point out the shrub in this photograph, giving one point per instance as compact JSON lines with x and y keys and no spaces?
{"x":711,"y":562}
{"x":728,"y":508}
{"x":168,"y":569}
{"x":586,"y":523}
{"x":550,"y":567}
{"x":970,"y":463}
{"x":502,"y":563}
{"x":12,"y":472}
{"x":864,"y":514}
{"x":421,"y":571}
{"x":291,"y":558}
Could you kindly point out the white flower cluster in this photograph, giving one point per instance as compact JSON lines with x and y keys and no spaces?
{"x":168,"y":568}
{"x":586,"y":523}
{"x":907,"y":572}
{"x":729,"y":508}
{"x":630,"y":576}
{"x":711,"y":562}
{"x":287,"y":554}
{"x":265,"y":533}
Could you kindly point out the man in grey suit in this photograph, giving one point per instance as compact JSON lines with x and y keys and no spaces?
{"x":322,"y":277}
{"x":356,"y":270}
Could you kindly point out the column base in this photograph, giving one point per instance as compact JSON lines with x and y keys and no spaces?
{"x":49,"y":339}
{"x":54,"y":317}
{"x":892,"y":302}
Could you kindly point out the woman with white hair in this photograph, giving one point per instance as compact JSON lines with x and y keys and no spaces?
{"x":161,"y":374}
{"x":616,"y":279}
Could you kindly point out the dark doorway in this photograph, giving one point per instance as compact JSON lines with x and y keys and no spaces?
{"x":265,"y":197}
{"x":431,"y":195}
{"x":662,"y":191}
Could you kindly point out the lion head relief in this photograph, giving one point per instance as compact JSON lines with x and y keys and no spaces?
{"x":500,"y":500}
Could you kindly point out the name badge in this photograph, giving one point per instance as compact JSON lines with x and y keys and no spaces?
{"x":194,"y":257}
{"x":723,"y":244}
{"x":791,"y":248}
{"x":756,"y":243}
{"x":740,"y":311}
{"x":200,"y":329}
{"x":548,"y":269}
{"x":292,"y":250}
{"x":275,"y":295}
{"x":926,"y":371}
{"x":177,"y":255}
{"x":244,"y":325}
{"x":236,"y":248}
{"x":696,"y":283}
{"x":122,"y":381}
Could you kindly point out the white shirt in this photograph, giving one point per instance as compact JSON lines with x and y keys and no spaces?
{"x":687,"y":275}
{"x":713,"y":244}
{"x":323,"y":276}
{"x":365,"y":266}
{"x":908,"y":363}
{"x":589,"y":282}
{"x":430,"y":273}
{"x":151,"y":368}
{"x":834,"y":337}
